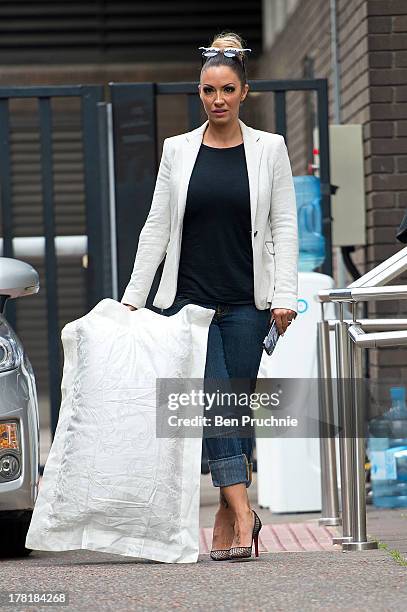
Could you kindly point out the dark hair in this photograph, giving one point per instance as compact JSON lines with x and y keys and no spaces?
{"x":237,"y":63}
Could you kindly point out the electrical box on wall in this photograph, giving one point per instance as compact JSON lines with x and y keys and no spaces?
{"x":347,"y":174}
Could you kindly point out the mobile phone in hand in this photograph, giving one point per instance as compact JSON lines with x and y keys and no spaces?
{"x":270,"y":340}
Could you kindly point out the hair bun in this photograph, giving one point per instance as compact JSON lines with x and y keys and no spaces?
{"x":235,"y":41}
{"x":228,"y":39}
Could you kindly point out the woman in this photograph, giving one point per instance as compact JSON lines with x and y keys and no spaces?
{"x":227,"y":190}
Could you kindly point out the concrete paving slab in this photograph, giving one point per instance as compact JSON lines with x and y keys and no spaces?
{"x":328,"y":580}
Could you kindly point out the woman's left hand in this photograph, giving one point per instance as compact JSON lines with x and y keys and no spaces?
{"x":283,"y":318}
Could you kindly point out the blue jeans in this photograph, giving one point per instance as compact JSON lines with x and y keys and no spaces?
{"x":234,"y":351}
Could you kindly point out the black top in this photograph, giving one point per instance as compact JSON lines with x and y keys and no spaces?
{"x":216,"y":260}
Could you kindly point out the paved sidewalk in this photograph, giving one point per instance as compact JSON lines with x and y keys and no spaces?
{"x":293,"y":572}
{"x":387,"y":526}
{"x":292,"y":536}
{"x":320,"y":577}
{"x":301,"y":532}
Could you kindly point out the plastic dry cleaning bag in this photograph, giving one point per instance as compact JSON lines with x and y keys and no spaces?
{"x":109,"y":483}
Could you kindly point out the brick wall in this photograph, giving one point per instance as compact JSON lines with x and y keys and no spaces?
{"x":386,"y":157}
{"x":306,"y":33}
{"x":372,"y":39}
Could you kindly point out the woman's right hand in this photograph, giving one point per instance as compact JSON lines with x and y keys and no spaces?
{"x":130,"y":306}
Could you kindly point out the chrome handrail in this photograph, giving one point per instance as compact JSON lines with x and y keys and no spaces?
{"x":383,"y":273}
{"x":351,"y":337}
{"x":373,"y":324}
{"x":363,"y":294}
{"x":376,"y":339}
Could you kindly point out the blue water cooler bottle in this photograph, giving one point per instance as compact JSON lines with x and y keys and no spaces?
{"x":387,"y":451}
{"x":309,"y":213}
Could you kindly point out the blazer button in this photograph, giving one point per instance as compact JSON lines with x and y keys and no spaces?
{"x":255,"y":232}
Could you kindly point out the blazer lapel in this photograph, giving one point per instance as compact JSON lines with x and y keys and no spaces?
{"x":253,"y":146}
{"x":189,"y":152}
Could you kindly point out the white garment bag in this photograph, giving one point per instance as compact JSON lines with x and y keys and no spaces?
{"x":109,"y":483}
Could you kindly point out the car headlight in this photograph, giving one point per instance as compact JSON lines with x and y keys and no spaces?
{"x":10,"y":352}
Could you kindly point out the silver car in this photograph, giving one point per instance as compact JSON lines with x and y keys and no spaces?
{"x":19,"y":422}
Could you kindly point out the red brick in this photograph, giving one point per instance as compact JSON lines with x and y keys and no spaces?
{"x":401,"y":93}
{"x":382,"y":164}
{"x":381,"y":94}
{"x":378,"y":253}
{"x":400,"y":23}
{"x":381,"y":59}
{"x":382,"y":235}
{"x":383,"y":308}
{"x":387,"y":42}
{"x":387,"y":306}
{"x":388,"y":111}
{"x":400,"y":59}
{"x":389,"y":146}
{"x":372,"y":311}
{"x":401,"y":128}
{"x":386,"y":182}
{"x":383,"y":218}
{"x":401,"y":163}
{"x":380,"y":372}
{"x":395,"y":76}
{"x":386,"y":7}
{"x":390,"y":356}
{"x":381,"y":129}
{"x":380,"y":200}
{"x":401,"y":200}
{"x":379,"y":25}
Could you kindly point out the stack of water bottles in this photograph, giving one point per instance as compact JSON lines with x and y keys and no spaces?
{"x":387,"y":452}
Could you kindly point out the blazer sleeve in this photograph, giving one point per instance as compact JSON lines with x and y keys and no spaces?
{"x":154,"y":237}
{"x":284,"y":229}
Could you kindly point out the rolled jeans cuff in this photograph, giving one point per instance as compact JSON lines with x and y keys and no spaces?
{"x":231,"y":470}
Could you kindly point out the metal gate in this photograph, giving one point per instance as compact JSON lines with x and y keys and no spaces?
{"x":36,"y":190}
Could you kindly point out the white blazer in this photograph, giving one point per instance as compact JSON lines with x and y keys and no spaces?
{"x":273,"y":220}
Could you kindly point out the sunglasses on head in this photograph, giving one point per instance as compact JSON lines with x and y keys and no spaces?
{"x":227,"y":51}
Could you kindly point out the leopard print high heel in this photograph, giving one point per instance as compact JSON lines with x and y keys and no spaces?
{"x":220,"y":555}
{"x":243,"y":552}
